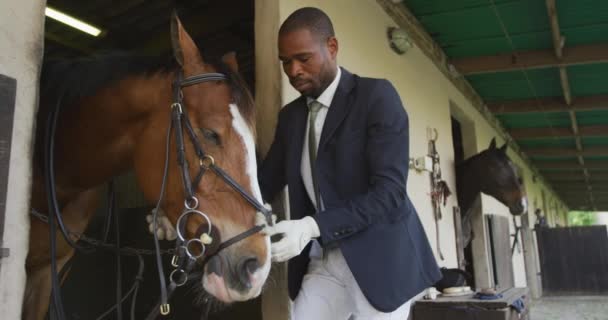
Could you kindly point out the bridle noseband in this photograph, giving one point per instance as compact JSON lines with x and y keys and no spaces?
{"x":185,"y":257}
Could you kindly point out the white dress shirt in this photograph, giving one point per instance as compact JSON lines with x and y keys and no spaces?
{"x":325,"y":99}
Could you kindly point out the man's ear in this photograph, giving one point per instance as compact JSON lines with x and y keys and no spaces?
{"x":332,"y":46}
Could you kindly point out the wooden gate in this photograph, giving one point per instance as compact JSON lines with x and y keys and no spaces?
{"x":574,"y":260}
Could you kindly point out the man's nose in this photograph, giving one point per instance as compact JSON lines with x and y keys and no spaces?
{"x":293,"y":69}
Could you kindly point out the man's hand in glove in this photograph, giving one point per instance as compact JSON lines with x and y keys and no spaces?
{"x":296,"y":235}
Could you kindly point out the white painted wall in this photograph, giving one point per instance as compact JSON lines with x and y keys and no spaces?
{"x":21,"y":32}
{"x":360,"y":27}
{"x":602,"y":218}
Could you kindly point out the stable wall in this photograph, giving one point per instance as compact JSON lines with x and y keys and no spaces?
{"x":21,"y":31}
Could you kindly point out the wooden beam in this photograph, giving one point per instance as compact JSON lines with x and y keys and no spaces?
{"x":584,"y":54}
{"x":561,"y":185}
{"x":550,"y":104}
{"x":571,"y":165}
{"x":561,"y":132}
{"x":573,"y":176}
{"x":600,"y":205}
{"x":580,"y":194}
{"x":558,"y":40}
{"x":559,"y":152}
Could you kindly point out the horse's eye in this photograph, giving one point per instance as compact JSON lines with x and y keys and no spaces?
{"x":211,"y":135}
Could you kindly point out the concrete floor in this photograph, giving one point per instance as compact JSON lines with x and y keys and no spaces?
{"x":570,"y":308}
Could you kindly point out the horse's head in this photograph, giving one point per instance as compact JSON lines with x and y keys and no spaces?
{"x":221,"y":113}
{"x":499,"y":178}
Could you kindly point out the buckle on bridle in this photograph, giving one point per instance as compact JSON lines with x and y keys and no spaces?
{"x":183,"y":277}
{"x":191,"y":203}
{"x":165,"y":309}
{"x":177,"y":105}
{"x":206,"y":161}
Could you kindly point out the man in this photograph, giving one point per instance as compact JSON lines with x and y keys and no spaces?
{"x":355,"y":245}
{"x":541,"y":221}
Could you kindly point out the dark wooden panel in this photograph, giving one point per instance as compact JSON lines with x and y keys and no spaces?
{"x":469,"y":308}
{"x":8,"y":87}
{"x":574,"y":260}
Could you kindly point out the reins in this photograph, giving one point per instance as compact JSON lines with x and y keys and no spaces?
{"x":188,"y":252}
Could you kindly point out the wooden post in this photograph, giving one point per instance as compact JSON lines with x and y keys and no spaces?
{"x":459,"y":240}
{"x":530,"y":257}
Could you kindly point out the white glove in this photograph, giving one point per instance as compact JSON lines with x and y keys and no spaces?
{"x":296,"y":235}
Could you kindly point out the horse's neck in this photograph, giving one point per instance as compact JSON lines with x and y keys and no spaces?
{"x":467,"y":184}
{"x":95,"y":141}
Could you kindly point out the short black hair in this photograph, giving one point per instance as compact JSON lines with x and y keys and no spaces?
{"x":313,"y":19}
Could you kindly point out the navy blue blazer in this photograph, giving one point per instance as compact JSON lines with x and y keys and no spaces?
{"x":361,"y":169}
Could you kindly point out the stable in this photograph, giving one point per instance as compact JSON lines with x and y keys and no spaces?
{"x":474,"y":77}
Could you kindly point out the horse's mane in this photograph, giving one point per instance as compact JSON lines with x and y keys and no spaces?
{"x":73,"y":79}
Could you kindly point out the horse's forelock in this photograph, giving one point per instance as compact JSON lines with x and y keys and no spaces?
{"x":241,"y":95}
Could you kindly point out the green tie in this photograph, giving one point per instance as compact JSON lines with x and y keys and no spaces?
{"x":314,"y":108}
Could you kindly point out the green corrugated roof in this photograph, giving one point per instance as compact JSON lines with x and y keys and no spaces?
{"x":589,"y":118}
{"x":517,"y":84}
{"x":472,"y":28}
{"x":594,"y":142}
{"x":589,"y":79}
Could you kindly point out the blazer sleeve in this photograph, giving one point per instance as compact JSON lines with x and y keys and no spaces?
{"x":271,"y":174}
{"x":387,"y":158}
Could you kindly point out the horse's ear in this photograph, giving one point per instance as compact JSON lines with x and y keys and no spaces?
{"x":492,"y":144}
{"x":503,"y":149}
{"x":230,"y":60}
{"x":184,"y":48}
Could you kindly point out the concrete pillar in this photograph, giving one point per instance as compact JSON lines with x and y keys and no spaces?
{"x":21,"y":44}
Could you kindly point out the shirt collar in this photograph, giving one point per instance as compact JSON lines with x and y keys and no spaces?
{"x":328,"y":95}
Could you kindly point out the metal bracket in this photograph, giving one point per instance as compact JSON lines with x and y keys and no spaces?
{"x":4,"y":252}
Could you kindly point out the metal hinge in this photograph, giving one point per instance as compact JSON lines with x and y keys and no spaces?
{"x":4,"y":252}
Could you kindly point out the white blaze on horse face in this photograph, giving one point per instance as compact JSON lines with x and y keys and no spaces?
{"x":240,"y":126}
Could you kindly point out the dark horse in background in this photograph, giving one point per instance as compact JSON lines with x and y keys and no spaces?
{"x":115,"y":115}
{"x":493,"y":173}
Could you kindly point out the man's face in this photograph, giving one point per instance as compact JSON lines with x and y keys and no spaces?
{"x":308,"y":62}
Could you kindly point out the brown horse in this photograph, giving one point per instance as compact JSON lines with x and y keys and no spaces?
{"x":114,"y":117}
{"x":493,"y":173}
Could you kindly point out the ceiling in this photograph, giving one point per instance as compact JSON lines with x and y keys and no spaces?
{"x":541,"y":67}
{"x":143,"y":27}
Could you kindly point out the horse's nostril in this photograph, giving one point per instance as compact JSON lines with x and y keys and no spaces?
{"x":251,"y":265}
{"x":245,"y":269}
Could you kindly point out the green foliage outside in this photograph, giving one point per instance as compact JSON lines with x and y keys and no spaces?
{"x":581,"y":218}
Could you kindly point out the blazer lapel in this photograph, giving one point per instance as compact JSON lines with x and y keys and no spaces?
{"x":339,"y":107}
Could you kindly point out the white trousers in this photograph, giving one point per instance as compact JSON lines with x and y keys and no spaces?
{"x":329,"y":292}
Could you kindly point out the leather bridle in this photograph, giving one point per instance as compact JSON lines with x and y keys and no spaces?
{"x":186,"y":257}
